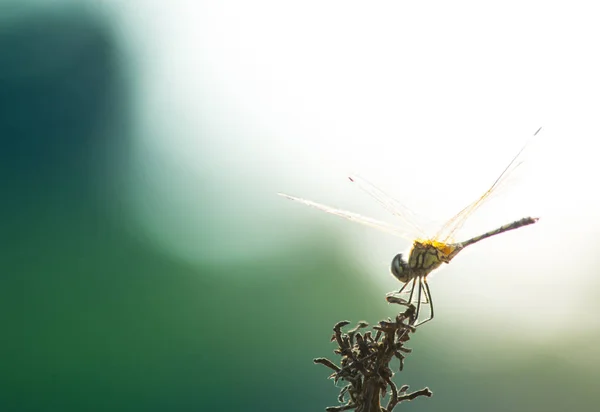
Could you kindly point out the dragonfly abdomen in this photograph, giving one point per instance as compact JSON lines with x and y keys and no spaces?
{"x":510,"y":226}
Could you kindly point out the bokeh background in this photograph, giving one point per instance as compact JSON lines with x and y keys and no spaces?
{"x":147,"y":263}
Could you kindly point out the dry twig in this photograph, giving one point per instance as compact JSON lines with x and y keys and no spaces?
{"x":365,"y":363}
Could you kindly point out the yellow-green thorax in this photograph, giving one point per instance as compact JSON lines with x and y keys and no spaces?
{"x":425,"y":256}
{"x":428,"y":255}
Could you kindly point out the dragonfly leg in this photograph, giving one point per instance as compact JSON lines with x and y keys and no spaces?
{"x":418,"y":312}
{"x":403,"y":287}
{"x":425,"y":285}
{"x":425,"y":295}
{"x":412,"y":290}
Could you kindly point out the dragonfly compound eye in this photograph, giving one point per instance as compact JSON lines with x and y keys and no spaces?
{"x":400,"y":268}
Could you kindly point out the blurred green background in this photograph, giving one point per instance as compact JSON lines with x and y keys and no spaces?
{"x":147,"y":264}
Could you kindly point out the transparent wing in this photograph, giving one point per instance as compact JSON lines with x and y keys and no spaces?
{"x":446,"y":233}
{"x":354,"y":217}
{"x":407,"y":216}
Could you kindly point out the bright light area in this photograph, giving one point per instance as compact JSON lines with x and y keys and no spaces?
{"x":429,"y":100}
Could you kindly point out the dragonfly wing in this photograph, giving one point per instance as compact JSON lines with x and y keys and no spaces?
{"x":407,"y":216}
{"x":354,"y":217}
{"x":446,"y":233}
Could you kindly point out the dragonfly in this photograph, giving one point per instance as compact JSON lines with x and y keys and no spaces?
{"x":427,"y":253}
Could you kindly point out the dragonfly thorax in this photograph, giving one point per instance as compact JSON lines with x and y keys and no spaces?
{"x":425,"y":257}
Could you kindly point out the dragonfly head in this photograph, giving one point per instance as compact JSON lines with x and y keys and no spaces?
{"x":400,"y":268}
